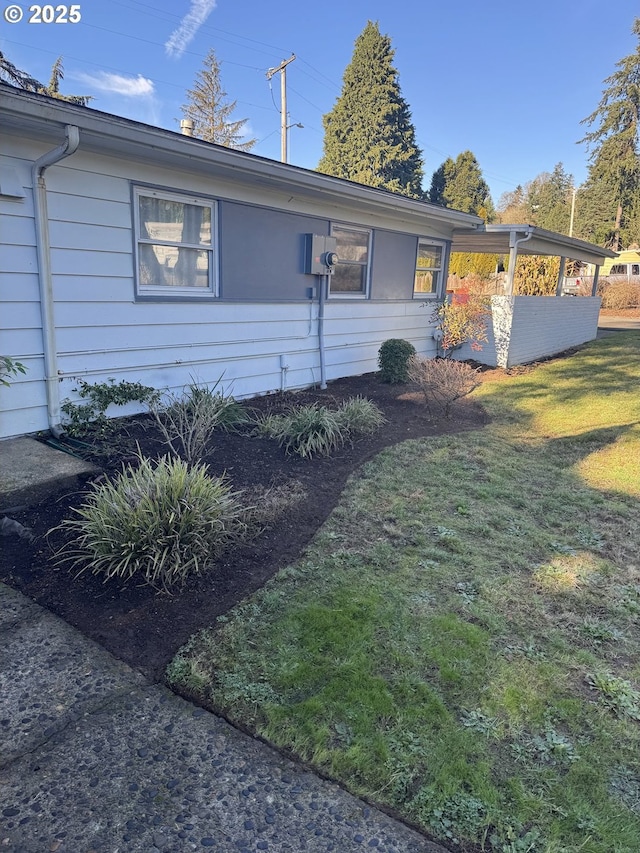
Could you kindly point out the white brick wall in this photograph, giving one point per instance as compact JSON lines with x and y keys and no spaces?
{"x":527,"y":328}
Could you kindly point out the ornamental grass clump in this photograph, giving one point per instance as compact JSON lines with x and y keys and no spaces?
{"x":307,"y":430}
{"x":442,"y":380}
{"x":156,"y":524}
{"x":360,"y":415}
{"x":311,"y":430}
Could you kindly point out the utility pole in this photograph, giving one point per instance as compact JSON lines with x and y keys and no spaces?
{"x":282,"y":68}
{"x":573,"y":210}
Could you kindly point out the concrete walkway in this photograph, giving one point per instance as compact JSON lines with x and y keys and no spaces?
{"x":94,"y":758}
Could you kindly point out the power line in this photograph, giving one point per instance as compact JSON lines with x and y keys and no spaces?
{"x":154,"y":80}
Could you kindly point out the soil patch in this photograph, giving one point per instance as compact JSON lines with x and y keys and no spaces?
{"x":144,"y":628}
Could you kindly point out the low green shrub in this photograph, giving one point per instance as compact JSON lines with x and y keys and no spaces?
{"x":188,"y":420}
{"x":90,"y":417}
{"x":159,"y":523}
{"x":9,"y":369}
{"x":393,"y":358}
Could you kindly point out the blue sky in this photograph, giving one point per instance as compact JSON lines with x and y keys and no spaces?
{"x":509,"y":81}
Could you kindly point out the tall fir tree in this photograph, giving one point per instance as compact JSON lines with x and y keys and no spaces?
{"x":548,"y":200}
{"x":440,"y":180}
{"x":615,"y":160}
{"x":459,"y":184}
{"x":210,"y":111}
{"x":368,"y":135}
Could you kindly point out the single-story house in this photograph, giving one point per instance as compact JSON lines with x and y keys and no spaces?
{"x":133,"y":252}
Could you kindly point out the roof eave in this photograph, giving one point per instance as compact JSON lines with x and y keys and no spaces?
{"x":106,"y":133}
{"x":535,"y":241}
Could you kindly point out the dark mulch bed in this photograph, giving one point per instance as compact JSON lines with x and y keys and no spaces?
{"x":144,"y":628}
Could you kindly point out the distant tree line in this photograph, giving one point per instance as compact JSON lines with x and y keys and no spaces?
{"x":369,"y":138}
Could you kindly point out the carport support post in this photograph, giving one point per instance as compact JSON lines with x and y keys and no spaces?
{"x":513,"y":257}
{"x":563,"y":262}
{"x":594,"y":286}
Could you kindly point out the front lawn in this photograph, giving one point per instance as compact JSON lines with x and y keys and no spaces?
{"x":460,"y":642}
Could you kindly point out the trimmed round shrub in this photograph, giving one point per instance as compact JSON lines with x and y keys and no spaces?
{"x":393,"y":358}
{"x":158,"y":523}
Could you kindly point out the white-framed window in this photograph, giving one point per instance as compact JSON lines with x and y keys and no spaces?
{"x":175,"y":244}
{"x":429,"y":268}
{"x":351,"y":275}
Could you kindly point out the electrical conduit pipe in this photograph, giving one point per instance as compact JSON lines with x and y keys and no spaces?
{"x":324,"y":284}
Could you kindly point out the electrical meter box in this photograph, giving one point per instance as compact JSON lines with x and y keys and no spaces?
{"x":320,"y":254}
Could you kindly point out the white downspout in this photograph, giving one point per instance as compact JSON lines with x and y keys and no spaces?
{"x":43,"y":251}
{"x":513,"y":255}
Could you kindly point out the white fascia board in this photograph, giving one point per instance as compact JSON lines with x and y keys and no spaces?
{"x":495,"y":239}
{"x":112,"y":135}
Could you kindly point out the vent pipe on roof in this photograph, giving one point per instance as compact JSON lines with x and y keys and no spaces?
{"x":186,"y":127}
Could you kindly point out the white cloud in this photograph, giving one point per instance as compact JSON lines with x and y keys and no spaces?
{"x":181,"y":37}
{"x":116,"y":84}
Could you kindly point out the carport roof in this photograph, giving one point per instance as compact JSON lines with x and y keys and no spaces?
{"x":499,"y":239}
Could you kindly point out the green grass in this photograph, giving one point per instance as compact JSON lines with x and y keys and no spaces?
{"x":461,"y":641}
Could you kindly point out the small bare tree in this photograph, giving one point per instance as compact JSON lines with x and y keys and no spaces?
{"x":442,"y":380}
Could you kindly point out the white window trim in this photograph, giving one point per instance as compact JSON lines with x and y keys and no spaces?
{"x":438,"y":292}
{"x":367,"y":286}
{"x":164,"y":292}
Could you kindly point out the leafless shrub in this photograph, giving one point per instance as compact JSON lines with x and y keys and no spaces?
{"x":187,"y":421}
{"x":619,"y":294}
{"x":442,"y":380}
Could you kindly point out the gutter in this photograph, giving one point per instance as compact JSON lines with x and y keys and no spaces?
{"x":43,"y":251}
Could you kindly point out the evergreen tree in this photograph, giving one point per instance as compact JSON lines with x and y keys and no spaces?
{"x":210,"y":111}
{"x":439,"y":182}
{"x":369,"y":137}
{"x":614,"y":143}
{"x":22,"y":80}
{"x":53,"y":89}
{"x":459,"y":184}
{"x":10,"y":74}
{"x":548,"y":200}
